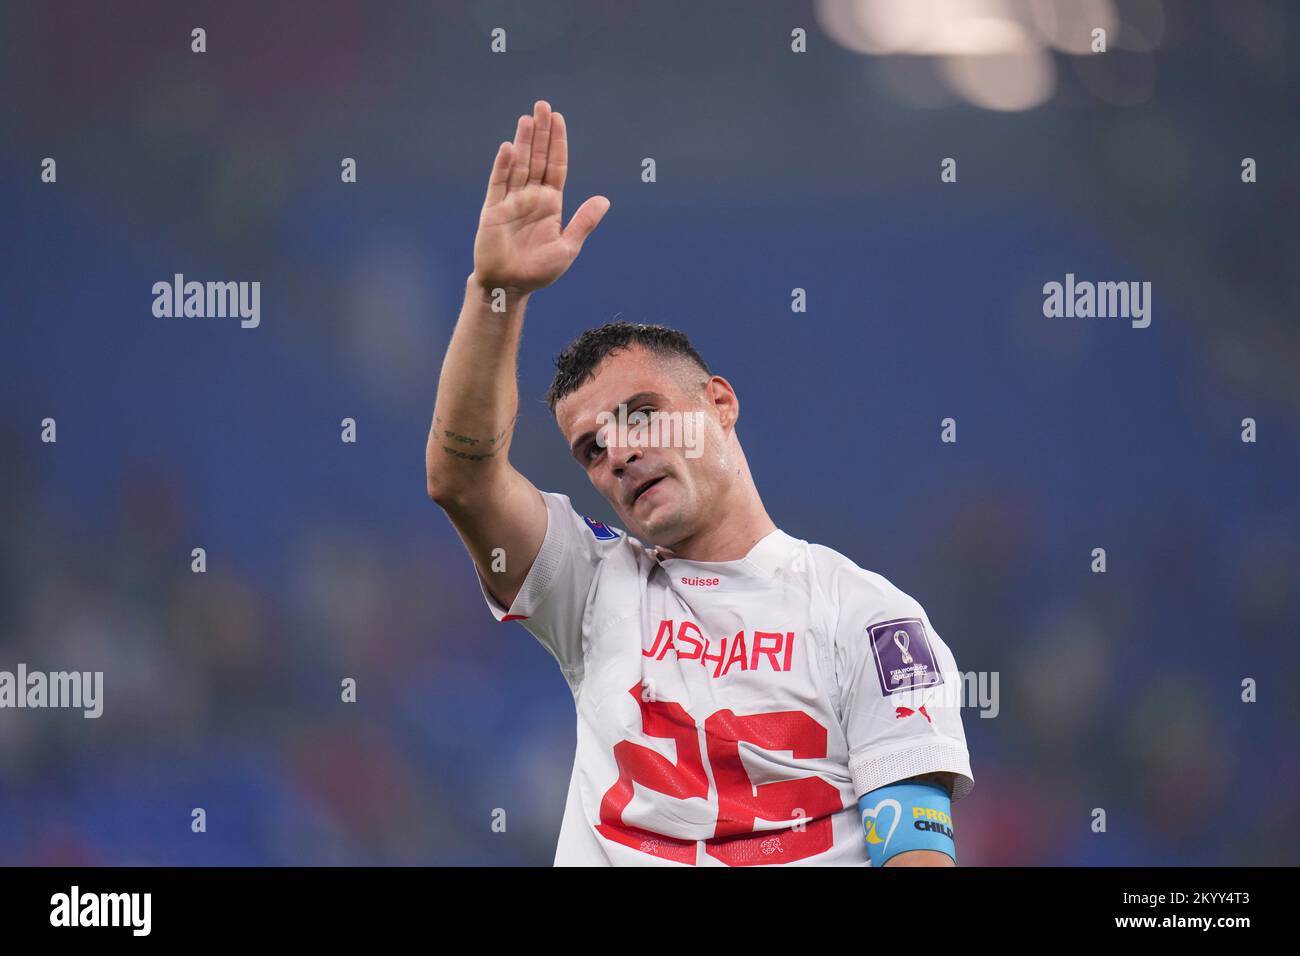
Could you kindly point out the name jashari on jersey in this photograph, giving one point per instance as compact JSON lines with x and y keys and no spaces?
{"x":731,"y":713}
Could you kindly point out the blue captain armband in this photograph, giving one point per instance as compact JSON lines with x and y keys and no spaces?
{"x":907,"y":816}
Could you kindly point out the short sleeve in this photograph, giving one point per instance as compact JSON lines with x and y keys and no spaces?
{"x":552,"y":602}
{"x":900,"y":690}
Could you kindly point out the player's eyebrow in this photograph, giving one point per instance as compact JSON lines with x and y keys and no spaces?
{"x":627,"y":403}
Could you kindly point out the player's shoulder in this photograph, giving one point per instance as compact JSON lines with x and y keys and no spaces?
{"x":597,"y":538}
{"x":850,"y":586}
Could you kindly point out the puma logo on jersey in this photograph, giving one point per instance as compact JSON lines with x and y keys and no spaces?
{"x":901,"y":712}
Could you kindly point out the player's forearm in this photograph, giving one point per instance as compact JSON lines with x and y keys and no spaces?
{"x":921,"y":858}
{"x":478,"y":395}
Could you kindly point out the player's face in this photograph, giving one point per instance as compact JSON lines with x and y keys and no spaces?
{"x":666,"y":469}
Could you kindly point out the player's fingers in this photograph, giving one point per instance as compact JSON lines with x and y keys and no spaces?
{"x":557,"y":162}
{"x":499,"y":180}
{"x":541,"y":141}
{"x":523,"y":143}
{"x":585,"y":220}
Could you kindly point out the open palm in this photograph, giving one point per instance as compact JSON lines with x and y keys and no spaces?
{"x":521,"y":243}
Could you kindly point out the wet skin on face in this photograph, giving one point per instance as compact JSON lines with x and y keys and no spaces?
{"x":659,"y":493}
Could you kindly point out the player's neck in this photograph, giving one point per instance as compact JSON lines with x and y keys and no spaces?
{"x":730,"y":536}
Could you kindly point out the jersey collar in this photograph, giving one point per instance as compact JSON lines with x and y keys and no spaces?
{"x":772,"y":551}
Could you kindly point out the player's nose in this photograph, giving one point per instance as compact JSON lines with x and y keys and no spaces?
{"x":620,"y":456}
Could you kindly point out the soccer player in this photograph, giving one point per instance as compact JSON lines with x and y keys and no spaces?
{"x":743,"y":697}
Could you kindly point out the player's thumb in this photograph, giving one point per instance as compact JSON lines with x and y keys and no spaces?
{"x":585,"y":220}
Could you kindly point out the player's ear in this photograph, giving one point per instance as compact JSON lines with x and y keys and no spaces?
{"x":725,"y":402}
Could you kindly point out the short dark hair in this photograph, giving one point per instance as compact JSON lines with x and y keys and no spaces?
{"x":577,"y":363}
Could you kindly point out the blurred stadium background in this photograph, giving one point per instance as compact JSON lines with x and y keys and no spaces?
{"x":775,"y":170}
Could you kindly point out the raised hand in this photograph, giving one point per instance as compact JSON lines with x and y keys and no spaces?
{"x":521,"y":243}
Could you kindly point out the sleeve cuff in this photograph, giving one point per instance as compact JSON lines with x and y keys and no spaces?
{"x":873,"y":769}
{"x":540,"y":576}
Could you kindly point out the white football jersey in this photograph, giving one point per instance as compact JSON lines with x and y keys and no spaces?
{"x":731,"y":713}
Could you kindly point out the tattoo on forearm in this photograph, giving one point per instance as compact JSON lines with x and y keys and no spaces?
{"x":464,"y":456}
{"x":493,"y":445}
{"x":502,"y":434}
